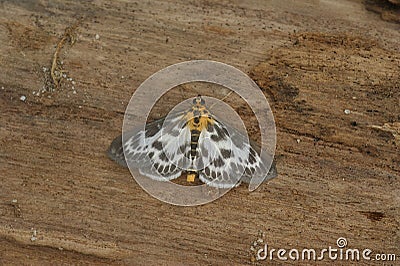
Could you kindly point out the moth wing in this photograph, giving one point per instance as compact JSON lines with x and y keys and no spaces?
{"x":154,"y":150}
{"x":216,"y":151}
{"x":228,"y":157}
{"x":133,"y":145}
{"x":254,"y":165}
{"x":260,"y":173}
{"x":256,"y":169}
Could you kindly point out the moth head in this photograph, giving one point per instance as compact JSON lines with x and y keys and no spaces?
{"x":198,"y":101}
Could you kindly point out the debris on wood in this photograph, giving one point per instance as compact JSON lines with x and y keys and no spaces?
{"x":56,"y":71}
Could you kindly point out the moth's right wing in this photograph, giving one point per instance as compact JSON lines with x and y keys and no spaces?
{"x":157,"y":150}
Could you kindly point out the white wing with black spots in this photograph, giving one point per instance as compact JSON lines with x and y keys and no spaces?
{"x":154,"y":151}
{"x":229,"y":158}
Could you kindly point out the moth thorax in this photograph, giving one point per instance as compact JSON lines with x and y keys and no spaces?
{"x":199,"y":123}
{"x":198,"y":118}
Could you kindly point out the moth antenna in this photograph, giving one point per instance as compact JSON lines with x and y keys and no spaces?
{"x":223,"y":98}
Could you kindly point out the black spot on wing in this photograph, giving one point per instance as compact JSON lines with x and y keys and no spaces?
{"x":248,"y":171}
{"x":225,"y":153}
{"x":216,"y":138}
{"x":252,"y":170}
{"x":210,"y":128}
{"x":252,"y":159}
{"x":163,"y":157}
{"x":214,"y":174}
{"x":153,"y":127}
{"x":207,"y":171}
{"x":157,"y":145}
{"x":221,"y":132}
{"x":166,"y":169}
{"x":219,"y":162}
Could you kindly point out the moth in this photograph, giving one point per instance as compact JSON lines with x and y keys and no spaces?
{"x":194,"y":142}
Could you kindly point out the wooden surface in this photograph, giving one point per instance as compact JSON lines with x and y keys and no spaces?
{"x":63,"y":201}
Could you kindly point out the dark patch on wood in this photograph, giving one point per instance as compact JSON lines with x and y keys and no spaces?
{"x":373,"y":215}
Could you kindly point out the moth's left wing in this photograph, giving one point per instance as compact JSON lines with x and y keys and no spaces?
{"x":228,"y":157}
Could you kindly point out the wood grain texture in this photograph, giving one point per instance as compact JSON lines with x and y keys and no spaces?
{"x":338,"y":173}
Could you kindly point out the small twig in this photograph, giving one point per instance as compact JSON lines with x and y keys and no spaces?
{"x":68,"y":36}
